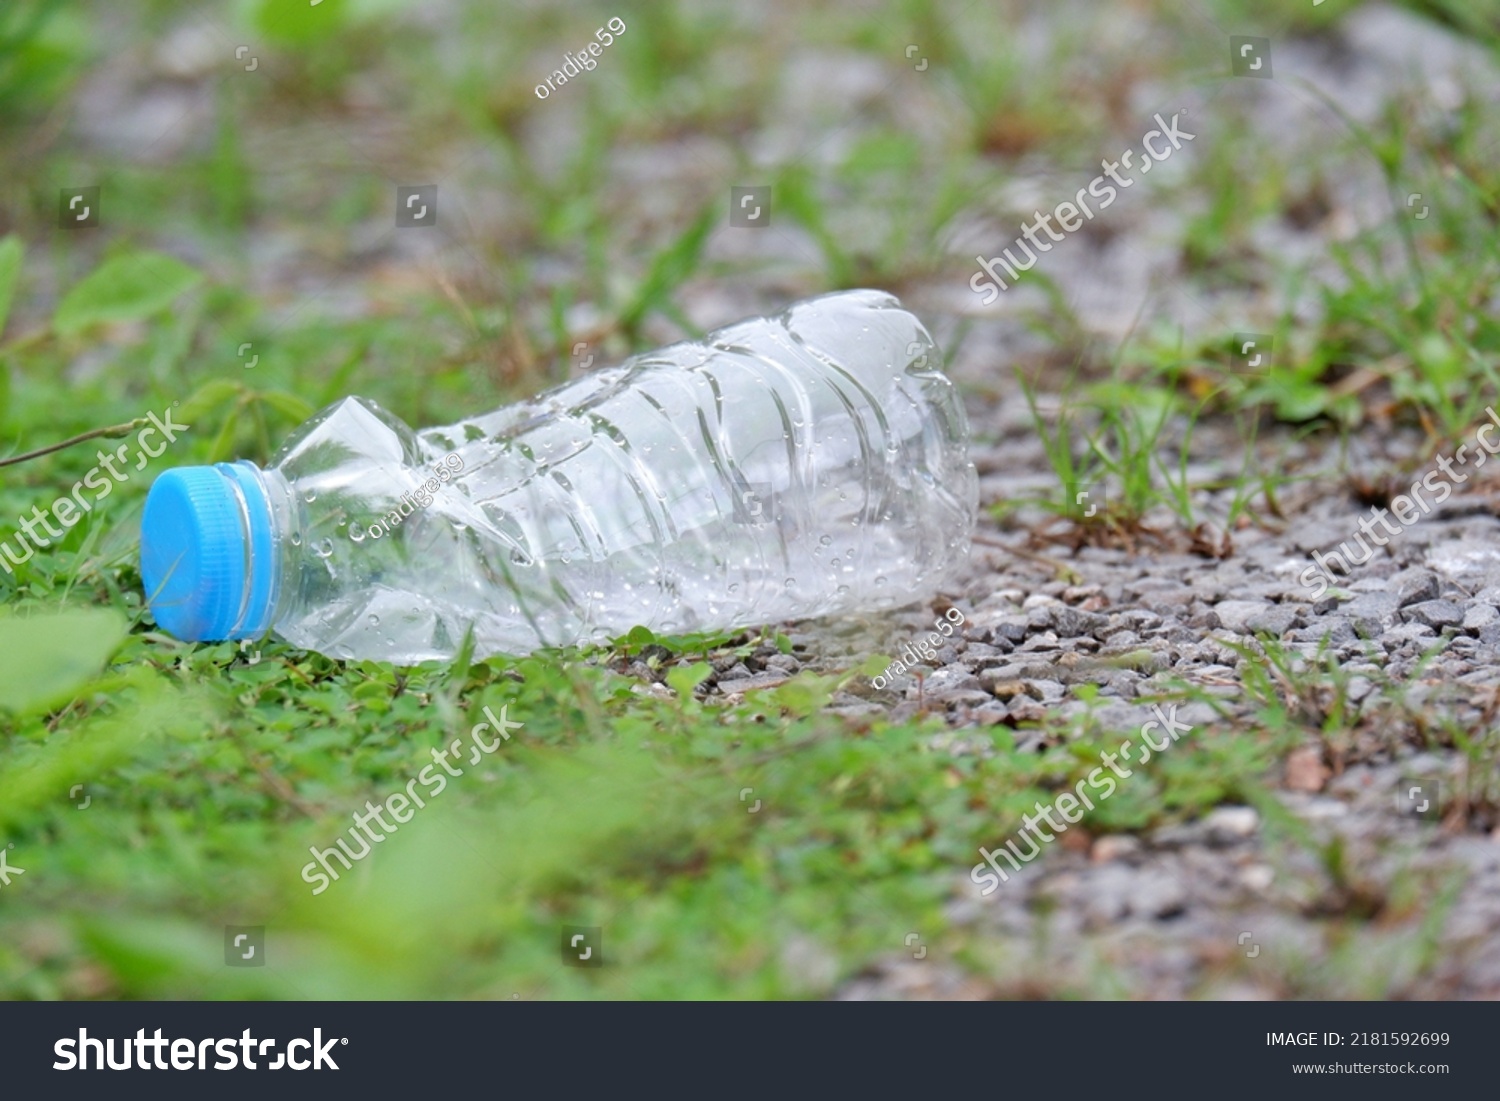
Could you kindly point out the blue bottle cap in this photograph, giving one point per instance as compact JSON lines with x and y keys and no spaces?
{"x":209,"y":561}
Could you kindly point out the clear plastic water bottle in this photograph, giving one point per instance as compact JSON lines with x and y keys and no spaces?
{"x":789,"y":467}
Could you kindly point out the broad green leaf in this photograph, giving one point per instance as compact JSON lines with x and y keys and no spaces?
{"x":10,"y":268}
{"x":639,"y":636}
{"x":805,"y":693}
{"x":129,"y":287}
{"x":288,"y":405}
{"x":48,"y":655}
{"x":684,"y":678}
{"x":210,"y":395}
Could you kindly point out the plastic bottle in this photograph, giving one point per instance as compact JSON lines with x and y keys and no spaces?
{"x":802,"y":465}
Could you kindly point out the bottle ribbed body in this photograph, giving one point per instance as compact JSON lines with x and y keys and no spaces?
{"x":788,"y":467}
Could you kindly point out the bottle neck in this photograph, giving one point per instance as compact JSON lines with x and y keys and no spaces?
{"x":270,"y":563}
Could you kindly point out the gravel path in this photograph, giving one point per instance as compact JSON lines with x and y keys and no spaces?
{"x":1212,"y":906}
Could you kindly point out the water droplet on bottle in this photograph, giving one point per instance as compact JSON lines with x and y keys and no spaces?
{"x":296,"y":538}
{"x":842,"y":590}
{"x":880,"y":581}
{"x":310,"y":496}
{"x":356,"y":533}
{"x":825,"y":541}
{"x":374,"y":620}
{"x":734,"y":588}
{"x":790,"y":581}
{"x":324,"y":548}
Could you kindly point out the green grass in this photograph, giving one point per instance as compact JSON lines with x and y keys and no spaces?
{"x":210,"y":770}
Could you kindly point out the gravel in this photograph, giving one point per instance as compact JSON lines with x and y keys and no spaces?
{"x":1437,"y":614}
{"x":1236,"y":615}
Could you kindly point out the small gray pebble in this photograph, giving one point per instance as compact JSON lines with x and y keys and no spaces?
{"x":1203,"y":619}
{"x":1157,"y":894}
{"x":1372,"y":613}
{"x":1277,"y":621}
{"x":1337,"y":629}
{"x":1001,"y":674}
{"x":1235,"y":615}
{"x":1011,"y":628}
{"x":1415,"y":586}
{"x":1437,"y":614}
{"x":980,"y":650}
{"x":962,"y":697}
{"x":1049,"y":691}
{"x":951,"y":678}
{"x":1047,"y":640}
{"x":1074,"y":622}
{"x":1480,"y":615}
{"x":1231,"y":823}
{"x":1024,"y":709}
{"x":1406,"y":632}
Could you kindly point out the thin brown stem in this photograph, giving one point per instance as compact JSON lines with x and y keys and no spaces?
{"x":114,"y":431}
